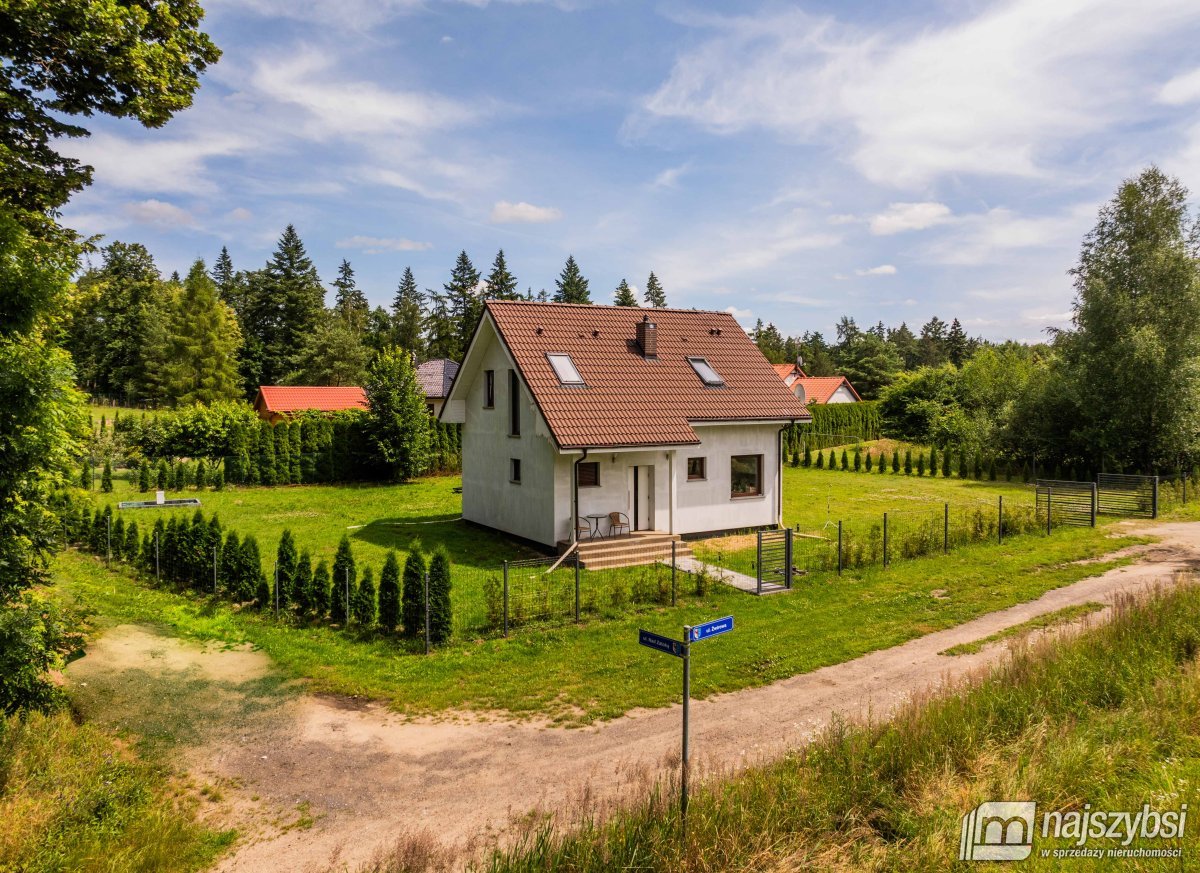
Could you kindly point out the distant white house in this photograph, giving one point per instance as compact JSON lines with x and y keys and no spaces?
{"x":672,"y":417}
{"x":436,"y":377}
{"x":817,"y":389}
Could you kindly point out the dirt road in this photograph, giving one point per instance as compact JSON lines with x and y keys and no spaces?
{"x":366,"y":776}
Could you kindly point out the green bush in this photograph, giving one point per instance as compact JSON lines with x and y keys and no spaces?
{"x":389,"y":594}
{"x":412,"y":595}
{"x":441,"y":618}
{"x":362,"y":601}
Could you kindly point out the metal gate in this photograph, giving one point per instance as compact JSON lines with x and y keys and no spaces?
{"x":1122,"y":494}
{"x":1061,"y":502}
{"x":774,"y":564}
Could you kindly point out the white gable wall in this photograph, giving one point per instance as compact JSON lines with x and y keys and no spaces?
{"x":842,"y":395}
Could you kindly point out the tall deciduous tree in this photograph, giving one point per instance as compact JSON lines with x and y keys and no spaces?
{"x":408,"y":315}
{"x":501,"y":284}
{"x":655,"y":295}
{"x":571,"y":286}
{"x":398,"y":422}
{"x":624,"y":295}
{"x":201,"y":360}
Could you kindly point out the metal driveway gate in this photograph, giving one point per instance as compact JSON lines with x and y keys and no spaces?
{"x":774,"y":564}
{"x":1122,"y":494}
{"x":1062,"y":502}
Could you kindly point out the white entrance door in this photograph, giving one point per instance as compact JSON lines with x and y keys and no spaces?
{"x":642,"y":497}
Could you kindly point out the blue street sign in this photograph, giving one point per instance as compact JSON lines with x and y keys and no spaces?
{"x":651,"y":640}
{"x":712,"y":628}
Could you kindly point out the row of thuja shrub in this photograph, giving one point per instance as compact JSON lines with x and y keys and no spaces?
{"x":931,"y":463}
{"x":198,"y":553}
{"x":164,"y":476}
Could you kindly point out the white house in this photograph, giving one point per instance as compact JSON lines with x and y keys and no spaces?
{"x":436,"y":377}
{"x":816,"y":389}
{"x":670,"y":416}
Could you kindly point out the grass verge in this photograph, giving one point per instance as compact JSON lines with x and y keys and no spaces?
{"x":1048,"y":726}
{"x":578,"y":673}
{"x":1066,"y":615}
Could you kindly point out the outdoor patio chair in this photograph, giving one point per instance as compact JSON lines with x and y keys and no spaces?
{"x":583,"y":529}
{"x":617,"y":521}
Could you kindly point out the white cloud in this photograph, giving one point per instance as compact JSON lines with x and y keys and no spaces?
{"x":881,"y":270}
{"x":157,"y":164}
{"x":1184,"y":88}
{"x":241,"y":213}
{"x":740,"y":314}
{"x":844,"y":218}
{"x":993,"y":93}
{"x":899,"y":217}
{"x":374,"y":245}
{"x":669,"y":178}
{"x":993,"y":236}
{"x":505,"y":212}
{"x":157,"y":212}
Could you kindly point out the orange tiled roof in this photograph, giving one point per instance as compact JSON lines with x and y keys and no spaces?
{"x":630,"y":400}
{"x":818,"y":389}
{"x":289,"y":398}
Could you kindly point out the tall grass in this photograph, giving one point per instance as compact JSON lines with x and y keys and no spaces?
{"x":1049,"y":724}
{"x":72,"y":798}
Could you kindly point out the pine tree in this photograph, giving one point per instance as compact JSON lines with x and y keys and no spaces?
{"x":132,"y":540}
{"x":106,"y":483}
{"x":201,"y":364}
{"x":440,"y":616}
{"x":501,"y":285}
{"x":178,"y":476}
{"x":285,"y":303}
{"x":465,"y":303}
{"x":389,"y":594}
{"x":412,"y":595}
{"x":252,"y":581}
{"x":397,"y":423}
{"x":624,"y":295}
{"x":883,"y":462}
{"x":362,"y":602}
{"x":845,"y":460}
{"x":321,"y":590}
{"x":345,"y":579}
{"x":857,"y":459}
{"x":908,"y":468}
{"x":820,"y":459}
{"x":895,"y":460}
{"x":869,"y":462}
{"x":441,"y":330}
{"x":350,"y":304}
{"x":571,"y":286}
{"x":807,"y":454}
{"x":118,"y":539}
{"x":408,"y":315}
{"x":957,"y":344}
{"x":285,"y":569}
{"x":655,"y":296}
{"x":302,"y":585}
{"x":230,"y":570}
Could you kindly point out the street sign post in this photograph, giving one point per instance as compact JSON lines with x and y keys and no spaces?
{"x":683,"y":649}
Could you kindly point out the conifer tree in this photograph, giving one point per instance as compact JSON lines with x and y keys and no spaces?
{"x":345,"y":580}
{"x":286,"y":560}
{"x":201,"y":474}
{"x":978,"y":466}
{"x":118,"y":538}
{"x":106,"y":483}
{"x":302,"y":584}
{"x":869,"y":462}
{"x":397,"y":423}
{"x":201,"y":364}
{"x":920,"y":463}
{"x":807,"y":454}
{"x":908,"y":467}
{"x":465,"y":303}
{"x":501,"y":285}
{"x":389,"y":594}
{"x":963,"y":472}
{"x":820,"y":459}
{"x":796,"y":458}
{"x":992,"y":469}
{"x":132,"y":541}
{"x":321,"y":590}
{"x":857,"y":458}
{"x":957,"y":345}
{"x":230,"y":569}
{"x":441,"y":619}
{"x":895,"y":460}
{"x":162,"y":477}
{"x":178,"y":476}
{"x":845,"y":460}
{"x":285,"y":303}
{"x":441,"y":329}
{"x":85,"y":475}
{"x":933,"y":461}
{"x":946,"y":463}
{"x":655,"y":296}
{"x":571,"y":286}
{"x":408,"y":315}
{"x":252,"y":581}
{"x":350,"y":304}
{"x":624,"y":295}
{"x":362,"y":602}
{"x":412,"y":595}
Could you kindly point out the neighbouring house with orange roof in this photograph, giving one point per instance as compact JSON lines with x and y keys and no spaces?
{"x":669,"y":417}
{"x":281,"y":402}
{"x":816,"y":389}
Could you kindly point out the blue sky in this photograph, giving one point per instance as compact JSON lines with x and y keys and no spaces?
{"x":793,"y":162}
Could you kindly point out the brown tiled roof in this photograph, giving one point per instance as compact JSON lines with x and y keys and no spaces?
{"x":297,"y":398}
{"x":630,"y":400}
{"x":818,"y":389}
{"x":436,"y":376}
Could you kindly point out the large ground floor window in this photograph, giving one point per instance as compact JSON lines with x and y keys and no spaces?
{"x":745,"y":475}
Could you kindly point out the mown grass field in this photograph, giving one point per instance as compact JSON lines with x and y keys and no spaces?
{"x":596,"y":670}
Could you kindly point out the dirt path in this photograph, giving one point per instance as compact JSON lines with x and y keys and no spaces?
{"x":367,"y":776}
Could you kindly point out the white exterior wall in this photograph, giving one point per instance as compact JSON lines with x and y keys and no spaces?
{"x":489,"y":498}
{"x":706,"y":505}
{"x":842,"y":395}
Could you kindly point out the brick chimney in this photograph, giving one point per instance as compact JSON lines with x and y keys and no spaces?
{"x":647,"y":337}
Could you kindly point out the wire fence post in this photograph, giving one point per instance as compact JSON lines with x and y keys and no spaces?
{"x":347,"y":575}
{"x":1048,"y":500}
{"x":108,"y":540}
{"x":157,"y":562}
{"x":577,"y":586}
{"x":787,"y":570}
{"x":214,"y":569}
{"x":1000,"y":520}
{"x":946,"y":528}
{"x":673,"y":571}
{"x":1095,"y":501}
{"x":506,"y":598}
{"x":426,"y":612}
{"x":885,"y":540}
{"x":839,"y":547}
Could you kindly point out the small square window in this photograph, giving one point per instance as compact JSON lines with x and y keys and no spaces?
{"x":514,"y":470}
{"x":589,"y":474}
{"x":697,"y":469}
{"x":489,"y":389}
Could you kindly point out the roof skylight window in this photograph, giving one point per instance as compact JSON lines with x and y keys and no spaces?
{"x":565,"y":370}
{"x":707,"y":374}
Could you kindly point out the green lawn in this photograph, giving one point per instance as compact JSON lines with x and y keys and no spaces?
{"x":597,"y":670}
